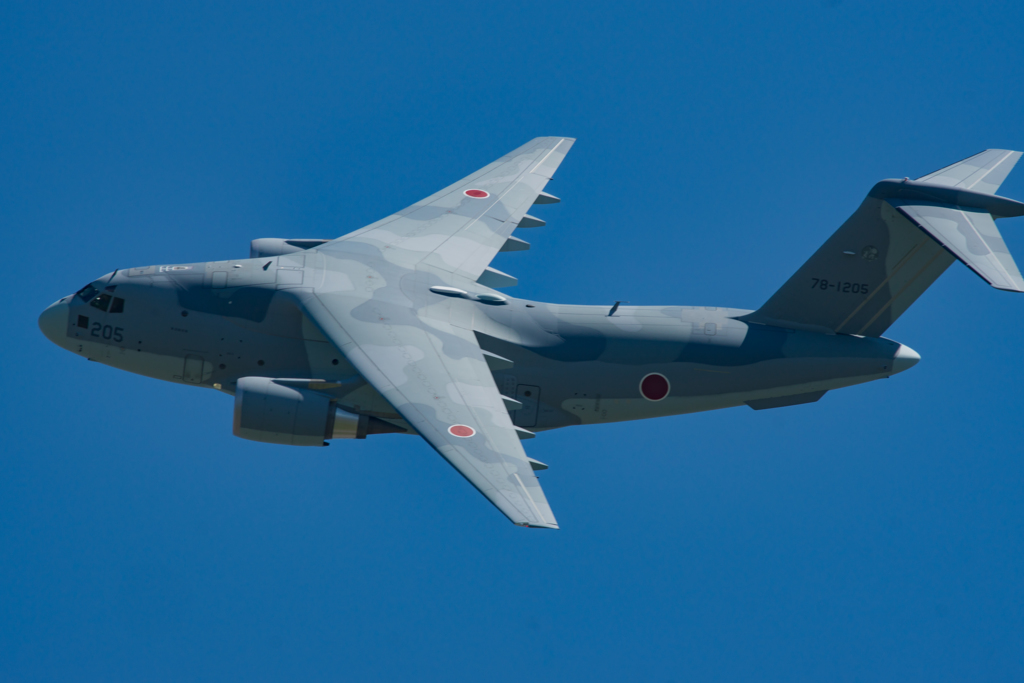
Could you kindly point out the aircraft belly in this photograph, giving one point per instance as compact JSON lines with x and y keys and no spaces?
{"x":707,"y":368}
{"x":156,"y":365}
{"x":601,"y":409}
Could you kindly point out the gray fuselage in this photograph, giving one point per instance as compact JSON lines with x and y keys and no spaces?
{"x":209,"y":324}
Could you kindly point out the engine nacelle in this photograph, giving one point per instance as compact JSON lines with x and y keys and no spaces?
{"x":276,"y":246}
{"x":275,"y":411}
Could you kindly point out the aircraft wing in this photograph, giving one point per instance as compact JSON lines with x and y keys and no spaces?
{"x":459,"y":229}
{"x":435,"y":376}
{"x":378,"y":302}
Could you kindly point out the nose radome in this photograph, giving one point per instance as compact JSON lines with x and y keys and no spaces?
{"x":54,"y":322}
{"x":904,"y":359}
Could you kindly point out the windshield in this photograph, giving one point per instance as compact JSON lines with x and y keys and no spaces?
{"x":101,"y":302}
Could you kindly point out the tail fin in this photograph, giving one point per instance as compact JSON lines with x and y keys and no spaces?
{"x":901,"y":239}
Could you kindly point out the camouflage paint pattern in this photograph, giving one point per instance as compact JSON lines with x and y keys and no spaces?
{"x":401,"y":322}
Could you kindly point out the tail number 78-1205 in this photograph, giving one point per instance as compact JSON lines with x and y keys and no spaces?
{"x":841,"y":287}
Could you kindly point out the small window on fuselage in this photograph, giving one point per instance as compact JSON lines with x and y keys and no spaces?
{"x":117,"y":305}
{"x":87,"y":292}
{"x":101,"y":302}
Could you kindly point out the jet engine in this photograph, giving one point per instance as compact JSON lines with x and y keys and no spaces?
{"x":278,"y":411}
{"x":276,"y":246}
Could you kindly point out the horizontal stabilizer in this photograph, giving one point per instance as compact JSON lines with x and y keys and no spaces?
{"x":972,"y":236}
{"x":984,"y":172}
{"x":916,"y":192}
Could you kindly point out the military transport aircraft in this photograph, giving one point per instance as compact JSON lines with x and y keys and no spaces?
{"x":399,"y":328}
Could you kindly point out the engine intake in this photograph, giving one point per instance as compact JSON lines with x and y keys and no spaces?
{"x":276,"y":246}
{"x":277,"y":411}
{"x":271,"y":412}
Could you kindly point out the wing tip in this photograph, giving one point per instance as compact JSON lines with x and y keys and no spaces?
{"x":531,"y":525}
{"x":552,"y":141}
{"x":1015,"y":288}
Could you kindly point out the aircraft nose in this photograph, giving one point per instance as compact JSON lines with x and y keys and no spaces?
{"x":904,"y":359}
{"x":54,"y":321}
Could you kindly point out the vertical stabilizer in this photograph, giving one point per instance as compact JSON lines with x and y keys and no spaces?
{"x":901,"y":239}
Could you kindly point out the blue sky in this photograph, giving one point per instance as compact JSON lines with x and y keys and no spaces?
{"x":875,"y":535}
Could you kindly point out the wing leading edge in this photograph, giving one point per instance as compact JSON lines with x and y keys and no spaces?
{"x":459,"y":229}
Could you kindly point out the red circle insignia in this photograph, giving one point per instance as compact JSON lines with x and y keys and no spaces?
{"x":461,"y":431}
{"x":654,"y":386}
{"x":477,"y":194}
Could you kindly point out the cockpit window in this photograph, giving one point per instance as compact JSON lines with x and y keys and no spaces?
{"x":87,"y":292}
{"x":101,"y":302}
{"x":117,"y":305}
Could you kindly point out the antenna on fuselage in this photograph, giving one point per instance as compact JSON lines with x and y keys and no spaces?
{"x":616,"y":307}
